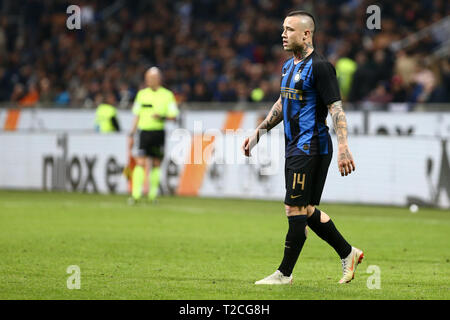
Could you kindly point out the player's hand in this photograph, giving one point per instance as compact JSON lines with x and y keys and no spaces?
{"x":345,"y":161}
{"x":157,"y":117}
{"x":248,"y":145}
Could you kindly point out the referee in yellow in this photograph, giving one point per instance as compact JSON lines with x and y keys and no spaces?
{"x":152,"y":107}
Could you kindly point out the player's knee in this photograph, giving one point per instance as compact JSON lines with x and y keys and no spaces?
{"x":310,"y":210}
{"x":294,"y":210}
{"x":324,"y":218}
{"x":287,"y":209}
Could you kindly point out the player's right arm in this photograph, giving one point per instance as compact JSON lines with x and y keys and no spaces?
{"x":274,"y":117}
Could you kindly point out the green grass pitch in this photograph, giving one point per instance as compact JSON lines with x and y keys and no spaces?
{"x":191,"y":248}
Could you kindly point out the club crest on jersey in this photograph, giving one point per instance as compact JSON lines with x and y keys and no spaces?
{"x":297,"y":77}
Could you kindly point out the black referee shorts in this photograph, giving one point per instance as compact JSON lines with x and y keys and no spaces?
{"x":305,"y":178}
{"x":151,"y":143}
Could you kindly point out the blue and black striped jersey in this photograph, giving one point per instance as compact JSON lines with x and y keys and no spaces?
{"x":306,"y":89}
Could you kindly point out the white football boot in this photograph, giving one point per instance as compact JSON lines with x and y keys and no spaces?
{"x":350,"y":263}
{"x":276,"y":278}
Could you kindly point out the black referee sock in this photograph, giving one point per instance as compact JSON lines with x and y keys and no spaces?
{"x":328,"y":232}
{"x":295,"y":239}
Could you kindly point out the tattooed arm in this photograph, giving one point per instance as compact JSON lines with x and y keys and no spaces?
{"x":345,"y":159}
{"x":274,"y":117}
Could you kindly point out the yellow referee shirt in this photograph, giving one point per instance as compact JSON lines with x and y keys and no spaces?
{"x":148,"y":103}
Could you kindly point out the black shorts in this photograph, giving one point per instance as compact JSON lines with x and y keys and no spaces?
{"x":305,"y":178}
{"x":151,"y":143}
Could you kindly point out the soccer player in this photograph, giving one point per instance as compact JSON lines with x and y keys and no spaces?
{"x":309,"y":89}
{"x":152,"y":107}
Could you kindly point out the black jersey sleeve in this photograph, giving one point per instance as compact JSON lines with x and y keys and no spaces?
{"x":326,"y":82}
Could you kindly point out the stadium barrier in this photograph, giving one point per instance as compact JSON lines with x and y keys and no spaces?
{"x":435,"y":123}
{"x":407,"y":162}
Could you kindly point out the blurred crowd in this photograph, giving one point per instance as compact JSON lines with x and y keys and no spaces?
{"x":224,"y":51}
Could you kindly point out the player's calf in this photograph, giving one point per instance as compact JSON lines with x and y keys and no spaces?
{"x":327,"y":231}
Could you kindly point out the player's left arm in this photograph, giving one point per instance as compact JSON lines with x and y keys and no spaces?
{"x":345,"y":159}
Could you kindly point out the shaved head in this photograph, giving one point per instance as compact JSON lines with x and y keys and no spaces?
{"x":153,"y":78}
{"x":306,"y":19}
{"x":153,"y":70}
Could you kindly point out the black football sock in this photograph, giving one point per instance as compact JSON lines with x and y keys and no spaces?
{"x":295,"y":239}
{"x":328,"y":232}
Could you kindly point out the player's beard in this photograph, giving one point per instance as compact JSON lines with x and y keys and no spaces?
{"x":295,"y":47}
{"x":298,"y":49}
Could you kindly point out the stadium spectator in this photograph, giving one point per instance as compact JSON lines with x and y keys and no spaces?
{"x":423,"y":81}
{"x":442,"y":91}
{"x":201,"y":93}
{"x":380,"y":94}
{"x":405,"y":65}
{"x":224,"y":92}
{"x":106,"y":115}
{"x":46,"y":95}
{"x":18,"y":93}
{"x":345,"y":68}
{"x":5,"y":85}
{"x":31,"y":96}
{"x":382,"y":66}
{"x":363,"y":78}
{"x":62,"y":96}
{"x":397,"y":89}
{"x":207,"y":49}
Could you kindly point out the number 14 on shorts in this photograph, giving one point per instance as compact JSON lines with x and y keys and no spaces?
{"x":299,"y":179}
